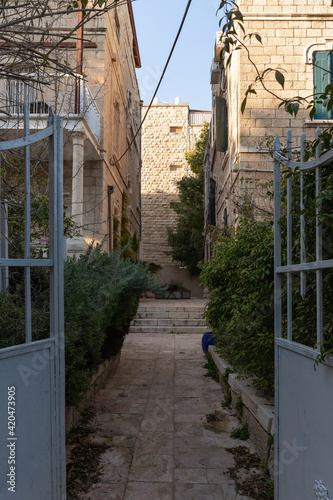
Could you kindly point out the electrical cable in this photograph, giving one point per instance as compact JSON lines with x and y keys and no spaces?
{"x":113,"y":159}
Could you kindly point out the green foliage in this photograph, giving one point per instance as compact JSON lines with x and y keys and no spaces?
{"x":234,"y":38}
{"x":211,"y":368}
{"x":241,"y":432}
{"x":240,"y":278}
{"x":102,"y":293}
{"x":239,"y":407}
{"x":176,"y":286}
{"x":135,"y":244}
{"x":226,"y":403}
{"x":125,"y":235}
{"x":116,"y":238}
{"x":187,"y":238}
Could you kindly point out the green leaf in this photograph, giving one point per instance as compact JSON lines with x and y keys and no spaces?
{"x":279,"y":78}
{"x":312,"y":113}
{"x":243,"y":106}
{"x":258,"y":37}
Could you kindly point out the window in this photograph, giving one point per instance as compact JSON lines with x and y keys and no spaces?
{"x":322,"y":76}
{"x":221,"y":124}
{"x":225,"y":218}
{"x":174,"y":168}
{"x":211,"y":203}
{"x":176,"y":130}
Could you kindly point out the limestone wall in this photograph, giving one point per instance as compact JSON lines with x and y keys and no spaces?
{"x":109,"y":68}
{"x":290,"y":31}
{"x":166,"y":136}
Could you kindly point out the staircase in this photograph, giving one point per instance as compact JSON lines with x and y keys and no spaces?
{"x":170,"y":316}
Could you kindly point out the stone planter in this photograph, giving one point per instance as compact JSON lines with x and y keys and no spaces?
{"x":98,"y":380}
{"x":258,"y":410}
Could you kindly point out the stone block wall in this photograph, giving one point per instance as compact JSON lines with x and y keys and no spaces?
{"x":290,"y":31}
{"x":109,"y":68}
{"x":166,"y":137}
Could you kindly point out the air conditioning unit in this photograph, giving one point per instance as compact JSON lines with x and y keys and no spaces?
{"x":215,"y":73}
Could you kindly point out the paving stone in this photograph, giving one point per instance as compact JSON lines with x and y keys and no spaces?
{"x":155,"y":468}
{"x":199,"y":492}
{"x":150,"y":444}
{"x":106,"y":492}
{"x":188,"y":475}
{"x":153,"y":416}
{"x":148,"y":491}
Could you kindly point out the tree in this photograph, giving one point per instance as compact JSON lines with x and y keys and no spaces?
{"x":187,"y":238}
{"x":234,"y":37}
{"x":32,"y":35}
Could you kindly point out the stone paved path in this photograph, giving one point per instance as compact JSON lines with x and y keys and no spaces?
{"x":153,"y":412}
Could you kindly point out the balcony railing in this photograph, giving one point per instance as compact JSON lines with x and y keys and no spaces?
{"x":199,"y":117}
{"x":68,"y":95}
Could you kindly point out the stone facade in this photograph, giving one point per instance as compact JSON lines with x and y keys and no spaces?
{"x":110,"y":71}
{"x":101,"y":113}
{"x":169,"y":131}
{"x":291,"y":32}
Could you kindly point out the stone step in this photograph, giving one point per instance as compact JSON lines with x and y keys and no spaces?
{"x":168,"y":322}
{"x":165,"y":309}
{"x":200,"y":330}
{"x":170,"y":314}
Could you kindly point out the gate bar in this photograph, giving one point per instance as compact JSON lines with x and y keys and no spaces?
{"x":289,"y":243}
{"x":1,"y":235}
{"x":302,"y":207}
{"x":277,"y":295}
{"x":319,"y":243}
{"x":27,"y":235}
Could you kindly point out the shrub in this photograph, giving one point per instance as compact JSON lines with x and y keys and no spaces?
{"x":240,"y":281}
{"x":102,"y":293}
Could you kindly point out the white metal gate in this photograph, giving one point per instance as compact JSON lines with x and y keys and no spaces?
{"x":304,"y":402}
{"x":32,"y":403}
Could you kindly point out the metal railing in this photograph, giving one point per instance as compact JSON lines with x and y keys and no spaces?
{"x":199,"y":117}
{"x":67,"y":94}
{"x":303,"y":267}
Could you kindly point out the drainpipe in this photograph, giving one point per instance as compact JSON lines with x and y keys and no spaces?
{"x":79,"y":57}
{"x":110,"y":191}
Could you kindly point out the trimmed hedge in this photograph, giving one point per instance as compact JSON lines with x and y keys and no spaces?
{"x":102,"y":292}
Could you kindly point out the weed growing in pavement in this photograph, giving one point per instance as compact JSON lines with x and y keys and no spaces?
{"x":211,"y":368}
{"x":239,"y":407}
{"x":241,"y":432}
{"x":257,"y":483}
{"x":227,"y":390}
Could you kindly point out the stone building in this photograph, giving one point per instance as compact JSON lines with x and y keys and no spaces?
{"x":169,"y":131}
{"x":294,"y":33}
{"x":101,"y":115}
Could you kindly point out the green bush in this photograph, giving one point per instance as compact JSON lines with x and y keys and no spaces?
{"x":240,"y":279}
{"x":102,"y":294}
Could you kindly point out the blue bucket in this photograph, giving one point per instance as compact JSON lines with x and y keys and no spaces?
{"x":207,"y":340}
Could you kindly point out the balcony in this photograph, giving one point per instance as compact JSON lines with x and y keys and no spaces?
{"x":69,"y":96}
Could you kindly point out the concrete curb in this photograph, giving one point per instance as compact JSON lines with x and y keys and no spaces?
{"x":98,"y":380}
{"x":258,"y":410}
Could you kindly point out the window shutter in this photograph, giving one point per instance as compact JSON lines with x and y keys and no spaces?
{"x":212,"y":203}
{"x":321,"y":78}
{"x":221,"y":124}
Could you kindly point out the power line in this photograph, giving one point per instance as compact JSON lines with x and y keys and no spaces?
{"x":113,"y":159}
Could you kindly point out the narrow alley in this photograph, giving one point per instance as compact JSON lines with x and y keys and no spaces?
{"x":153,"y":413}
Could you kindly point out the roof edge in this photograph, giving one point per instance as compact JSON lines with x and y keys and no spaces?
{"x":136,"y":51}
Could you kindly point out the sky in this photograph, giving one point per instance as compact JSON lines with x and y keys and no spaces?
{"x":188,"y":74}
